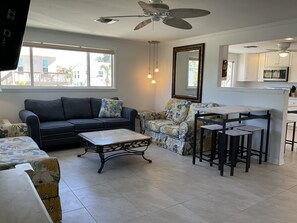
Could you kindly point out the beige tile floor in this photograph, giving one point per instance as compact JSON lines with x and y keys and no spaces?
{"x":172,"y":190}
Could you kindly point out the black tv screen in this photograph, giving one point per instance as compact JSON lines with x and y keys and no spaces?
{"x":13,"y":19}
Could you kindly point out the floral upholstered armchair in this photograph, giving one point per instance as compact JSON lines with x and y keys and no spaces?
{"x":173,"y":128}
{"x":17,"y":148}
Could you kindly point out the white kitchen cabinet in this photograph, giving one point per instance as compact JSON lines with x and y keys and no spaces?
{"x":293,"y":67}
{"x":248,"y":67}
{"x":273,"y":59}
{"x":261,"y":66}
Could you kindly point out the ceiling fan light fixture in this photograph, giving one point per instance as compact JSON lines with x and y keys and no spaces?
{"x":283,"y":45}
{"x":155,"y":18}
{"x":283,"y":53}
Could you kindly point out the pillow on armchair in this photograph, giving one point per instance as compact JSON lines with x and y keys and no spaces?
{"x":111,"y":108}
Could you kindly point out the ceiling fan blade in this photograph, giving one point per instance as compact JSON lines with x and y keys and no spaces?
{"x":188,"y":13}
{"x":142,"y":24}
{"x":120,"y":16}
{"x":112,"y":19}
{"x":177,"y":23}
{"x":273,"y":50}
{"x":147,"y":7}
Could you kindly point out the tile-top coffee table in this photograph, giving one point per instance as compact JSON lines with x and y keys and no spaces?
{"x":125,"y":141}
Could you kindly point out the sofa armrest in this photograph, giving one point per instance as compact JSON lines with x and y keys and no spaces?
{"x":149,"y":115}
{"x":130,"y":113}
{"x":186,"y":129}
{"x":32,"y":120}
{"x":13,"y":130}
{"x":46,"y":171}
{"x":45,"y":177}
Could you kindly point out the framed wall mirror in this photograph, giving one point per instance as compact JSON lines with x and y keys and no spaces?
{"x":187,"y":72}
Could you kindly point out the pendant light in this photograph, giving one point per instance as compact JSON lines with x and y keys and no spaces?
{"x":153,"y":60}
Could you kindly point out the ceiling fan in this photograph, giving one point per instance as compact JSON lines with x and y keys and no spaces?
{"x":156,"y":10}
{"x":283,"y":49}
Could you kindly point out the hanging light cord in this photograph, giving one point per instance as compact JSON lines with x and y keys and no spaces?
{"x":149,"y":57}
{"x":154,"y":45}
{"x":157,"y":62}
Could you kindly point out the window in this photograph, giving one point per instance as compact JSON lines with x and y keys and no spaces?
{"x":193,"y":65}
{"x":22,"y":75}
{"x":55,"y":65}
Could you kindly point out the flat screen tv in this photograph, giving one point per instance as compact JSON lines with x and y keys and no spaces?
{"x":13,"y":19}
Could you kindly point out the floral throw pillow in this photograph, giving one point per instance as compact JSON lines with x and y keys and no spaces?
{"x":110,"y":108}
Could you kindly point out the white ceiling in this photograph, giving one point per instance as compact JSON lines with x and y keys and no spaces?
{"x":79,"y":15}
{"x":261,"y":47}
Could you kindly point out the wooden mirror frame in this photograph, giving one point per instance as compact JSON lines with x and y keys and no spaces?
{"x":200,"y":48}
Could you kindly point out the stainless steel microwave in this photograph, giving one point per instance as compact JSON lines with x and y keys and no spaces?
{"x":276,"y":74}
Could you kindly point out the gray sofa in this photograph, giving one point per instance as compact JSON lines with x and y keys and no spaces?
{"x":57,"y":122}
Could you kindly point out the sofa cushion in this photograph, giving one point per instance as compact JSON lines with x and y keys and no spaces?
{"x":49,"y":128}
{"x":110,"y":123}
{"x":77,"y":108}
{"x":110,"y":108}
{"x":171,"y":130}
{"x":155,"y":125}
{"x":86,"y":124}
{"x":51,"y":110}
{"x":20,"y":143}
{"x":16,"y":150}
{"x":177,"y":110}
{"x":95,"y":106}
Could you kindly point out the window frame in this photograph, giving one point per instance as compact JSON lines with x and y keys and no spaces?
{"x":87,"y":50}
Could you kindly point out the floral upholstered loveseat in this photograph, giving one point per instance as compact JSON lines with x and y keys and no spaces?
{"x":173,"y":128}
{"x":17,"y":148}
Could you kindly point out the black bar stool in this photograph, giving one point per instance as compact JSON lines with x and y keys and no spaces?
{"x":253,"y":129}
{"x":292,"y":141}
{"x":234,"y":135}
{"x":214,"y":132}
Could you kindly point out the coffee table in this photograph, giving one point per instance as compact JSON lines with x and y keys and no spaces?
{"x":124,"y":141}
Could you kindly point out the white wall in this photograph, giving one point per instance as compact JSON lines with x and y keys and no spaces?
{"x":130,"y":67}
{"x":275,"y":99}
